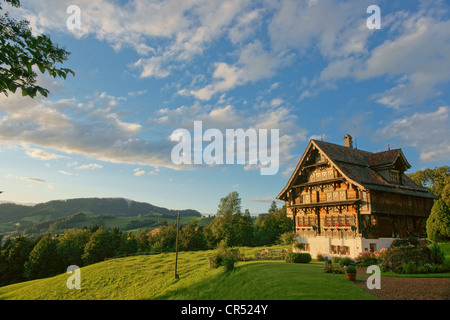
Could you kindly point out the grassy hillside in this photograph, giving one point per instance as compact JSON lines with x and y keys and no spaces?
{"x":80,"y":220}
{"x":152,"y":277}
{"x":53,"y":216}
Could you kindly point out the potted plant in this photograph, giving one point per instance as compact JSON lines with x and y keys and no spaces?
{"x":350,"y":271}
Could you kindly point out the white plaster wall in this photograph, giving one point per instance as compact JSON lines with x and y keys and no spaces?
{"x":322,"y":245}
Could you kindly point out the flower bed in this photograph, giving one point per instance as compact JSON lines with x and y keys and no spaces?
{"x":367,"y":258}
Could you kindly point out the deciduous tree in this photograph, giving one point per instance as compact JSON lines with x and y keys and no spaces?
{"x":22,"y":53}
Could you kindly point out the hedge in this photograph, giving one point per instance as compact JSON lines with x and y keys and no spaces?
{"x":293,"y":257}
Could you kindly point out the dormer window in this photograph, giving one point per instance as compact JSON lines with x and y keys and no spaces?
{"x":395,"y":176}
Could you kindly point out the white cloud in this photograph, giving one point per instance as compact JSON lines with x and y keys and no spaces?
{"x":65,"y":173}
{"x":279,"y":116}
{"x":93,"y":129}
{"x":417,"y":57}
{"x":139,"y":173}
{"x":226,"y":77}
{"x":245,"y":26}
{"x":333,"y":28}
{"x":32,"y":180}
{"x":254,"y":64}
{"x":42,"y":155}
{"x":428,"y":132}
{"x":137,"y":93}
{"x":186,"y":27}
{"x":410,"y":59}
{"x":89,"y":166}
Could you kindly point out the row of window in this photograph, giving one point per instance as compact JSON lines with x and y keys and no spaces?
{"x":344,"y":250}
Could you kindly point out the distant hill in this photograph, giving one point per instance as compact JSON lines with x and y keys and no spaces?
{"x":14,"y":215}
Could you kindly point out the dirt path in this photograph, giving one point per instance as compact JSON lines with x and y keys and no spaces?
{"x":408,"y":288}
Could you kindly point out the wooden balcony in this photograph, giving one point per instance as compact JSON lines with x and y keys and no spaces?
{"x":306,"y":232}
{"x":324,"y":203}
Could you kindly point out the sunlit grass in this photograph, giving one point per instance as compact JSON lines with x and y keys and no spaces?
{"x":152,"y":277}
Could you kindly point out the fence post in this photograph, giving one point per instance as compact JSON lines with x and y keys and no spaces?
{"x":176,"y":247}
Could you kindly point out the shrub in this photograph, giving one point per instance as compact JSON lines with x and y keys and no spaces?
{"x":350,"y":269}
{"x":437,"y":256}
{"x":334,"y":269}
{"x":299,"y":246}
{"x":226,"y":257}
{"x":345,"y":262}
{"x":215,"y":261}
{"x":287,"y":238}
{"x":367,"y":258}
{"x":398,"y":256}
{"x":229,"y":259}
{"x":293,"y":257}
{"x":410,"y":267}
{"x":438,"y":223}
{"x":335,"y":259}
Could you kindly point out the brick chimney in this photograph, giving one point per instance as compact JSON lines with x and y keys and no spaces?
{"x":348,"y":140}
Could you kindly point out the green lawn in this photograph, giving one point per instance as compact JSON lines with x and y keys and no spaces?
{"x":152,"y":277}
{"x":445,"y":247}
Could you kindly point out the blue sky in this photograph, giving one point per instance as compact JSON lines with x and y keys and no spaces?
{"x":146,"y":68}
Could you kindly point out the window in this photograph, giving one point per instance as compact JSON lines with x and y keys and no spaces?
{"x":343,"y":250}
{"x":395,"y":176}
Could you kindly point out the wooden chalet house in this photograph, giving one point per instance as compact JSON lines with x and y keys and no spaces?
{"x":344,"y":201}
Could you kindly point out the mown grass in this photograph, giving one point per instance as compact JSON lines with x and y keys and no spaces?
{"x":152,"y":277}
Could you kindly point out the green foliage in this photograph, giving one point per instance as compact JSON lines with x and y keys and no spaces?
{"x":350,"y":269}
{"x":57,"y":216}
{"x":293,"y":257}
{"x":14,"y":255}
{"x":409,"y":267}
{"x":270,"y":227}
{"x":435,"y":180}
{"x":101,"y":245}
{"x":71,"y":246}
{"x":230,"y":224}
{"x":288,"y":238}
{"x":398,"y":256}
{"x":44,"y":260}
{"x":333,"y":268}
{"x":438,"y":223}
{"x":21,"y":53}
{"x":224,"y":256}
{"x":165,"y":239}
{"x":191,"y":237}
{"x":437,"y":255}
{"x":414,"y":268}
{"x":445,"y":194}
{"x":346,"y":262}
{"x":150,"y":277}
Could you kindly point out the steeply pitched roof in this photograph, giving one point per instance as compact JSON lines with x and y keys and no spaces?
{"x":359,"y":166}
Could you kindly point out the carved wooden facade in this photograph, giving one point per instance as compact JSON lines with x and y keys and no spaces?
{"x":343,"y":193}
